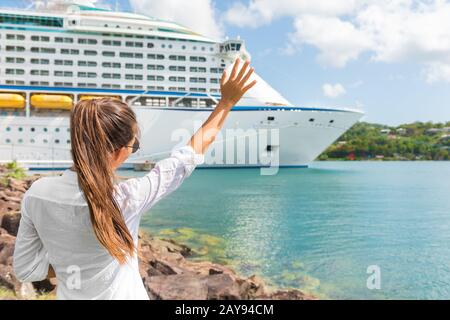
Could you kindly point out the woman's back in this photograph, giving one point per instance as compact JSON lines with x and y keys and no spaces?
{"x":56,"y":229}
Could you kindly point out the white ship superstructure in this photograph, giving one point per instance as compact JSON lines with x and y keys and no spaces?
{"x":51,"y":59}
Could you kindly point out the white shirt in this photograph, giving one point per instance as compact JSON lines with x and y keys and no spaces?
{"x":55,"y":228}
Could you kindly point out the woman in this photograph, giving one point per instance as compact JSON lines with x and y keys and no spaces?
{"x":81,"y":226}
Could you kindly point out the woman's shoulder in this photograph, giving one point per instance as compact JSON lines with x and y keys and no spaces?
{"x":43,"y":186}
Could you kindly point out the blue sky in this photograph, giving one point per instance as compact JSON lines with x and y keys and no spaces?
{"x":376,"y":58}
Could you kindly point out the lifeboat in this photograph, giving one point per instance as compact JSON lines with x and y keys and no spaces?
{"x":51,"y":101}
{"x":98,"y":97}
{"x":12,"y":100}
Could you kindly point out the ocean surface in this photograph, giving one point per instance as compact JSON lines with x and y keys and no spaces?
{"x":319,"y":229}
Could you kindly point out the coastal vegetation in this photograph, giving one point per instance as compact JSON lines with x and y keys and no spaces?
{"x":414,"y":141}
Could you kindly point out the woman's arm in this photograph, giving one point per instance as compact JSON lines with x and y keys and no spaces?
{"x":30,"y":259}
{"x":232,"y":90}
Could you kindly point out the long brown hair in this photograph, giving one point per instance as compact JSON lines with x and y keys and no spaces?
{"x":97,"y":128}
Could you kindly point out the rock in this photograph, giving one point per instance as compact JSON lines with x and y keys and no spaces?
{"x":6,"y":247}
{"x":222,"y":287}
{"x":7,"y":278}
{"x":25,"y":291}
{"x":8,"y":206}
{"x":292,"y":294}
{"x":9,"y":281}
{"x":253,"y":287}
{"x":19,"y":185}
{"x":10,"y":222}
{"x":162,"y":267}
{"x":192,"y":287}
{"x":176,"y":287}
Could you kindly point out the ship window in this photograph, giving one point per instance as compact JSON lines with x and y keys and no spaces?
{"x":150,"y":45}
{"x":66,"y":40}
{"x":8,"y":128}
{"x":90,"y":53}
{"x":311,"y":120}
{"x":32,"y":129}
{"x":331,"y":121}
{"x":56,"y":140}
{"x":270,"y":118}
{"x":15,"y":71}
{"x":45,"y":141}
{"x":32,"y":140}
{"x":269,"y":148}
{"x":8,"y":140}
{"x":109,"y":53}
{"x":15,"y":36}
{"x":20,"y":129}
{"x":68,"y":141}
{"x":20,"y":140}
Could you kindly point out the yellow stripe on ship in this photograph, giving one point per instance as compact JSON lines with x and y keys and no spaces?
{"x":12,"y":100}
{"x":51,"y":101}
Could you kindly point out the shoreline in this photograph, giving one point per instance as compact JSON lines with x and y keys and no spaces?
{"x":164,"y":264}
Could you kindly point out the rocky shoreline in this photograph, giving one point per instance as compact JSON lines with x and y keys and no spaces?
{"x":165,"y":267}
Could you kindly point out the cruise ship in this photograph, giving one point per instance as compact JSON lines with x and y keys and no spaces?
{"x":60,"y":52}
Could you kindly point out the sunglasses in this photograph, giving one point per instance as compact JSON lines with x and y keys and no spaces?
{"x":135,"y":145}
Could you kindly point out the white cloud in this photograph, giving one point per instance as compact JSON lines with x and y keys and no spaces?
{"x":338,"y":41}
{"x":435,"y":72}
{"x":198,"y":15}
{"x":260,"y":12}
{"x":333,"y":90}
{"x":389,"y":31}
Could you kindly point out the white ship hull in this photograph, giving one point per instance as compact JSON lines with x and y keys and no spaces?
{"x":300,"y":140}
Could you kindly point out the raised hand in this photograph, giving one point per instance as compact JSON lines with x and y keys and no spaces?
{"x":232,"y":90}
{"x":235,"y":86}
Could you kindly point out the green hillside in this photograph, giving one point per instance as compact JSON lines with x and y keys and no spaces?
{"x":415,"y":141}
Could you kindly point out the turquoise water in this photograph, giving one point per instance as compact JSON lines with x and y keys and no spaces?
{"x":320,"y":228}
